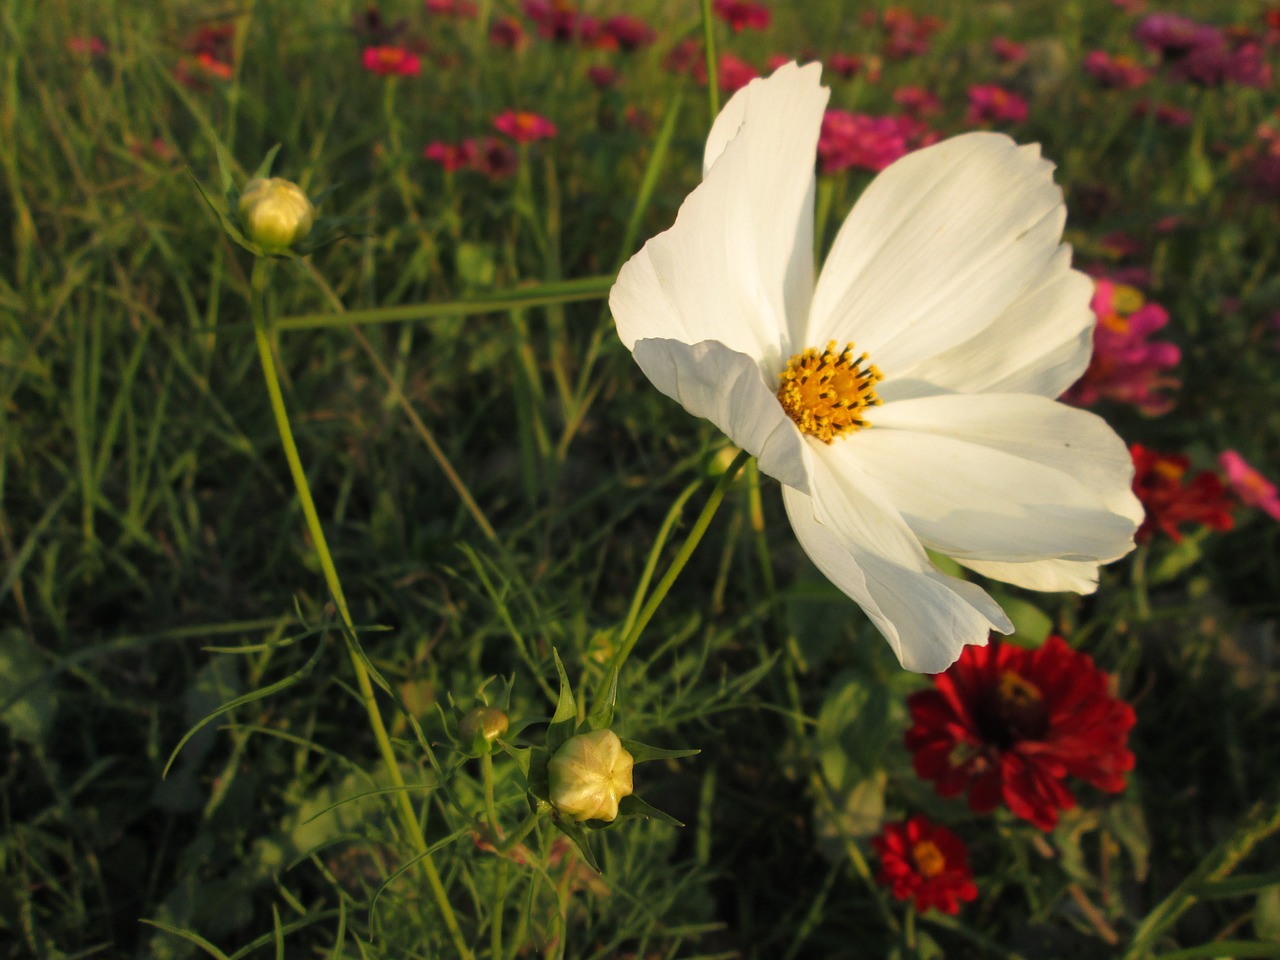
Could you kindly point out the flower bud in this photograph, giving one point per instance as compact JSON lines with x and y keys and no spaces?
{"x":487,"y":722}
{"x":589,"y":774}
{"x":275,"y":212}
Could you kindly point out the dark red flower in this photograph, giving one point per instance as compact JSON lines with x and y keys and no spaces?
{"x":1170,"y":502}
{"x":507,"y":32}
{"x":1007,"y":725}
{"x":628,"y":33}
{"x":924,"y":861}
{"x":561,"y":21}
{"x":741,"y":15}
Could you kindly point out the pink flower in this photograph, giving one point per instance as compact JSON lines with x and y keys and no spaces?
{"x":1125,"y":367}
{"x":1174,"y":36}
{"x":392,"y":61}
{"x":906,"y":35}
{"x":560,"y":20}
{"x":602,"y":77}
{"x":451,"y":156}
{"x":917,"y":102}
{"x":733,"y":74}
{"x":507,"y":32}
{"x":1008,"y":50}
{"x":742,"y":15}
{"x":1119,"y":72}
{"x":86,"y":46}
{"x":523,"y":126}
{"x":462,"y":9}
{"x":1166,"y":114}
{"x":1253,"y":489}
{"x":628,"y":33}
{"x":866,"y":142}
{"x":847,"y":66}
{"x":994,"y":104}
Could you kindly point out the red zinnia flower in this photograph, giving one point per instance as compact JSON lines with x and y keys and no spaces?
{"x":524,"y":127}
{"x":1008,"y":725}
{"x":628,"y":33}
{"x":989,"y":103}
{"x":741,"y":15}
{"x":388,"y":61}
{"x":1158,"y":483}
{"x":926,"y":861}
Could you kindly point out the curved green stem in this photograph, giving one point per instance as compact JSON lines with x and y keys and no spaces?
{"x":677,"y":563}
{"x":408,"y":816}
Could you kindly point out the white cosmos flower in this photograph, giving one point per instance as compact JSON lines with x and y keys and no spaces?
{"x":950,"y":275}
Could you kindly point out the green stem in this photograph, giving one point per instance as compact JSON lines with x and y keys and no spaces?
{"x":678,"y":562}
{"x":713,"y":72}
{"x":408,"y":816}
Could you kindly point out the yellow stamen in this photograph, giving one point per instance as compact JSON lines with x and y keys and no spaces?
{"x":1019,"y":691}
{"x":826,"y":392}
{"x":929,"y":859}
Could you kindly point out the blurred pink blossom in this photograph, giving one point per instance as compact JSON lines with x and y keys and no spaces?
{"x":628,"y":33}
{"x":1007,"y":50}
{"x":462,"y":9}
{"x":391,"y":61}
{"x":849,"y":65}
{"x":561,"y":21}
{"x":1166,"y":114}
{"x":733,"y":74}
{"x":507,"y":32}
{"x":1126,"y":367}
{"x":1253,"y":489}
{"x":602,"y":77}
{"x":86,"y":46}
{"x":742,"y":15}
{"x":917,"y":102}
{"x":1120,"y":72}
{"x":865,"y":142}
{"x":989,"y":103}
{"x":906,"y":34}
{"x":522,"y":126}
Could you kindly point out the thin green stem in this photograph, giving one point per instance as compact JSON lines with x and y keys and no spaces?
{"x":408,"y":816}
{"x":713,"y":72}
{"x":678,"y":562}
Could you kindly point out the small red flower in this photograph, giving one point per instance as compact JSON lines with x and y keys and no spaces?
{"x":924,"y":861}
{"x":865,"y":142}
{"x":628,"y":33}
{"x":849,"y":65}
{"x":602,"y":77}
{"x":451,"y":156}
{"x":561,"y":21}
{"x":741,"y":15}
{"x":1120,"y":72}
{"x":86,"y":46}
{"x":1008,"y":51}
{"x":461,"y":9}
{"x":491,"y":157}
{"x":994,"y":104}
{"x":1008,"y":725}
{"x":391,"y":61}
{"x":1169,"y":502}
{"x":523,"y":126}
{"x":507,"y":32}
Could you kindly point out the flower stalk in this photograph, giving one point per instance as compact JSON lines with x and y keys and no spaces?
{"x":259,"y":287}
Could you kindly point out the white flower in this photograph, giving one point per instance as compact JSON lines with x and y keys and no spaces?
{"x":949,"y":275}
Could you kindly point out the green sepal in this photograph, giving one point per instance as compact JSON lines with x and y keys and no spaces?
{"x":601,"y":718}
{"x":264,"y":168}
{"x":575,"y":832}
{"x":632,"y":808}
{"x":564,"y":722}
{"x":640,"y":752}
{"x":539,"y":783}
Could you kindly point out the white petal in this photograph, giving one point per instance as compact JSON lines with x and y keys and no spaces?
{"x":940,"y":245}
{"x":1041,"y":344}
{"x":1051,"y":576}
{"x":1004,"y":477}
{"x":737,"y":266}
{"x":712,"y":381}
{"x":864,"y":547}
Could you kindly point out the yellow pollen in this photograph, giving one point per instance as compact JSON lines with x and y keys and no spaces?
{"x":929,"y":859}
{"x":825,"y":392}
{"x":1018,"y":690}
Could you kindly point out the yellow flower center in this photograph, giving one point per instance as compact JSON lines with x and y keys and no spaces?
{"x":929,"y":859}
{"x":826,"y":392}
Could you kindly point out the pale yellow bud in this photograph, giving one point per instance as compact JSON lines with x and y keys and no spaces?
{"x":589,"y":774}
{"x":275,"y":212}
{"x":488,"y":722}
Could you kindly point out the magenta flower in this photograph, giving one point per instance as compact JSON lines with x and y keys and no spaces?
{"x":1118,"y":73}
{"x":391,"y":61}
{"x":461,"y":9}
{"x":741,"y":15}
{"x":1008,"y":51}
{"x":917,"y":102}
{"x":865,"y":142}
{"x":451,"y":156}
{"x":1253,"y":489}
{"x":1126,"y":367}
{"x":989,"y":103}
{"x":523,"y":126}
{"x":628,"y":33}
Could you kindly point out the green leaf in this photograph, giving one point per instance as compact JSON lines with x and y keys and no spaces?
{"x":575,"y":832}
{"x":1266,"y":915}
{"x":632,"y":807}
{"x":564,"y":722}
{"x":601,"y":718}
{"x":30,"y":715}
{"x":264,"y":168}
{"x":641,"y":752}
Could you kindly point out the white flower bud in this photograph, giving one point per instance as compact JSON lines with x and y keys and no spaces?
{"x":275,"y":212}
{"x":589,"y":774}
